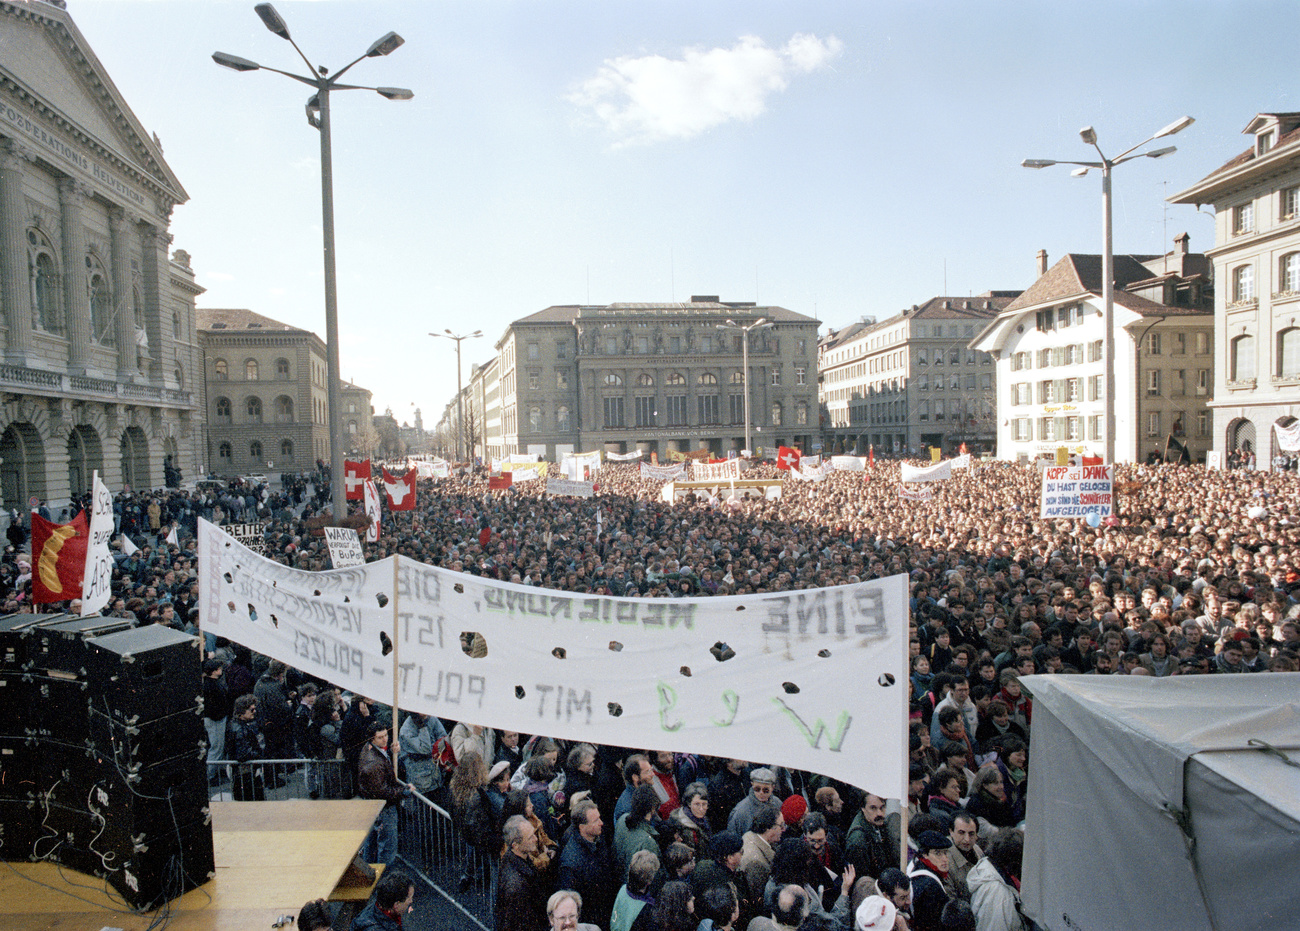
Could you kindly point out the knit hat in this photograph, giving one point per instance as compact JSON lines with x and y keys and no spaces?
{"x":876,"y":913}
{"x":725,"y":843}
{"x":794,"y":809}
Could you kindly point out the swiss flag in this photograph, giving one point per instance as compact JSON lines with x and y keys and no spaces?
{"x":787,"y":458}
{"x":1091,"y":460}
{"x":501,"y":481}
{"x":355,"y":476}
{"x":58,"y":558}
{"x":400,"y":490}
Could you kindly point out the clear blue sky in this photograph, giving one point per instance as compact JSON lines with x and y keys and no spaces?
{"x":838,"y":159}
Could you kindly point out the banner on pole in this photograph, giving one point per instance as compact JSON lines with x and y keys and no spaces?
{"x":664,"y":473}
{"x":715,"y":471}
{"x":935,"y":473}
{"x":345,"y":547}
{"x":1077,"y":491}
{"x":97,"y":581}
{"x":564,"y":486}
{"x":765,"y":683}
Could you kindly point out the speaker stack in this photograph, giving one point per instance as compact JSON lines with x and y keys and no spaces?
{"x":102,"y":752}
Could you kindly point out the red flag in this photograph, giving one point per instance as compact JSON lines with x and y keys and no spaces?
{"x":400,"y":491}
{"x":500,"y":482}
{"x":962,"y":449}
{"x":787,"y":458}
{"x":1091,"y":460}
{"x":355,"y":475}
{"x":58,"y":558}
{"x":871,"y":454}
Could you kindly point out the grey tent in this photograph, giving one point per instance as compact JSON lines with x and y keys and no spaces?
{"x":1157,"y":803}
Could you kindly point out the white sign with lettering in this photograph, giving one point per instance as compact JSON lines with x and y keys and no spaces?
{"x":345,"y":547}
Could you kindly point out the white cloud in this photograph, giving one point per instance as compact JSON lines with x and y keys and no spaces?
{"x":653,"y":98}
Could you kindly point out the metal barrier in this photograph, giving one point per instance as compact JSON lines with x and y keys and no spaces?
{"x":277,"y":780}
{"x":431,"y":845}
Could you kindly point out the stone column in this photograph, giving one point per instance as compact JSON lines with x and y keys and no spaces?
{"x":15,"y":284}
{"x":154,"y":243}
{"x":119,"y":226}
{"x":76,"y":292}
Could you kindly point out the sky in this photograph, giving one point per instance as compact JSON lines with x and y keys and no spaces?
{"x":839,"y":159}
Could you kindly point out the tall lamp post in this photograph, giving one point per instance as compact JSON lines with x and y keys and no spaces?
{"x":318,"y":116}
{"x":762,"y":323}
{"x":1089,"y":137}
{"x":460,"y":394}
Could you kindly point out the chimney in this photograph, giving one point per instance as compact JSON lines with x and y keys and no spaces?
{"x":1042,"y":262}
{"x":1181,"y":244}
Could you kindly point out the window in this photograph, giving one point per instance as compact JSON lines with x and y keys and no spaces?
{"x":706,"y":344}
{"x":101,"y":302}
{"x":1047,"y":392}
{"x":534,"y":352}
{"x":1073,"y":428}
{"x":562,"y":418}
{"x":737,"y":378}
{"x":923,"y":381}
{"x":1095,"y":391}
{"x":613,"y":379}
{"x":286,"y":449}
{"x":776,"y":378}
{"x":1044,"y":321}
{"x":676,"y":405}
{"x":645,"y":411}
{"x":1288,"y":273}
{"x":1202,"y":423}
{"x":561,"y":350}
{"x":1153,"y":344}
{"x":223,"y":410}
{"x":1243,"y":219}
{"x":1153,"y":383}
{"x":923,"y":411}
{"x":281,"y":368}
{"x":223,"y":451}
{"x":954,"y":382}
{"x":284,"y":409}
{"x":1095,"y":351}
{"x":707,"y":405}
{"x":254,"y":408}
{"x":561,"y":378}
{"x":352,"y":428}
{"x":643,"y":344}
{"x":1243,"y":283}
{"x":939,"y":409}
{"x":1094,"y":427}
{"x":613,"y":412}
{"x":986,"y":382}
{"x":801,"y":374}
{"x":250,"y":369}
{"x":1202,"y":381}
{"x":1290,"y":203}
{"x":776,"y":414}
{"x":1180,"y":344}
{"x":736,"y":404}
{"x":45,"y":283}
{"x":1288,"y":353}
{"x":707,"y":378}
{"x":1073,"y":388}
{"x":534,"y":381}
{"x":1242,"y":358}
{"x":1047,"y":428}
{"x":801,"y":413}
{"x":923,"y":357}
{"x":1022,"y":429}
{"x":255,"y":450}
{"x":1178,"y":387}
{"x":1153,"y":423}
{"x":675,"y":379}
{"x":535,"y":419}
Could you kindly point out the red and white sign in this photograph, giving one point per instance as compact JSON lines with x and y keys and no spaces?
{"x":400,"y":490}
{"x":787,"y":458}
{"x":355,"y":476}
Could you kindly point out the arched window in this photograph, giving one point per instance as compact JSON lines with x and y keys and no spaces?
{"x":284,"y":409}
{"x":801,"y":413}
{"x":220,"y":370}
{"x":254,"y":409}
{"x":45,"y":283}
{"x":535,"y":419}
{"x":562,"y":418}
{"x":101,"y":302}
{"x":352,"y":427}
{"x":645,"y":381}
{"x":707,"y":378}
{"x":737,"y":378}
{"x":1288,"y":352}
{"x":613,"y":379}
{"x":250,"y":369}
{"x":223,"y":410}
{"x":255,"y":450}
{"x":223,"y":451}
{"x":675,"y":379}
{"x":1243,"y":283}
{"x":1288,"y":273}
{"x":776,"y":414}
{"x":286,"y":449}
{"x":281,"y":368}
{"x":1242,"y":358}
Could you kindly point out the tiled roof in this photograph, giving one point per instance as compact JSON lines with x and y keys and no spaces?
{"x":567,"y":313}
{"x":217,"y":318}
{"x":956,"y":307}
{"x":1249,"y":155}
{"x":1076,"y":275}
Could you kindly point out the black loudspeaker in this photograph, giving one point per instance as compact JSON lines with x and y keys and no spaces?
{"x":19,"y":776}
{"x":146,"y":743}
{"x":13,"y":640}
{"x":60,"y":645}
{"x":15,"y":699}
{"x":145,"y":673}
{"x":59,"y":706}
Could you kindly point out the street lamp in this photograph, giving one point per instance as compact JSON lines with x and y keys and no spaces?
{"x":460,"y":400}
{"x":1089,"y":137}
{"x":762,"y":323}
{"x":318,"y":115}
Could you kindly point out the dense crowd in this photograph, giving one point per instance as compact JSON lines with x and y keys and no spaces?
{"x":1199,"y":573}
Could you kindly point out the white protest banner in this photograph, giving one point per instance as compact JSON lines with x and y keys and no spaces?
{"x":935,"y":473}
{"x":248,"y":534}
{"x":664,"y":473}
{"x":1077,"y":491}
{"x":811,"y":680}
{"x":97,"y":580}
{"x":580,"y":466}
{"x":436,"y":469}
{"x":564,"y":486}
{"x":1288,"y":438}
{"x":915,"y":493}
{"x":814,"y":474}
{"x":520,"y":463}
{"x":715,"y":471}
{"x":527,"y":473}
{"x":849,"y":463}
{"x":813,"y":462}
{"x":624,"y":457}
{"x":962,"y":461}
{"x":345,"y":547}
{"x":371,"y":504}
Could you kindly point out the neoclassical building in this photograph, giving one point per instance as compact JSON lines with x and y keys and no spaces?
{"x":266,"y":396}
{"x":98,"y":340}
{"x":658,"y":377}
{"x":1256,"y":255}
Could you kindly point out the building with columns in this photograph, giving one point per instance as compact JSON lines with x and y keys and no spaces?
{"x":654,"y":377}
{"x":99,"y":351}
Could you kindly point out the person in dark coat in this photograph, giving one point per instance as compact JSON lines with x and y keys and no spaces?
{"x":394,"y":894}
{"x":587,"y":866}
{"x":521,"y":888}
{"x":244,"y":743}
{"x":928,"y":872}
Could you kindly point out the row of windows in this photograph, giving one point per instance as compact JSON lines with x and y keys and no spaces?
{"x":675,"y":411}
{"x":968,"y":410}
{"x":642,"y":345}
{"x":1059,"y":318}
{"x":256,"y":451}
{"x":221,"y":369}
{"x":1065,"y":429}
{"x":253,"y":410}
{"x":1057,"y":391}
{"x":1288,"y":208}
{"x":954,"y":357}
{"x":1288,"y":279}
{"x":1243,"y":351}
{"x":677,"y":379}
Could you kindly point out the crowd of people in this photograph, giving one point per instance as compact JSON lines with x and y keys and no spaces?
{"x":1198,"y":573}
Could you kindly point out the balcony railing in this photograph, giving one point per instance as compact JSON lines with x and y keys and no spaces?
{"x":19,"y":378}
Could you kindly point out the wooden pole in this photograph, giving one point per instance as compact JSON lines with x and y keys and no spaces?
{"x":397,"y":714}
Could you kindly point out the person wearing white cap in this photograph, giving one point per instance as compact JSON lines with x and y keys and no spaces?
{"x":876,"y":913}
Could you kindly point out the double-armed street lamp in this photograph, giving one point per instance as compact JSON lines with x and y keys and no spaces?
{"x":1089,"y":137}
{"x":762,"y":323}
{"x":460,"y":398}
{"x":318,"y":115}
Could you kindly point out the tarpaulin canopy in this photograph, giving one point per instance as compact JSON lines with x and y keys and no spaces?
{"x":1163,"y":803}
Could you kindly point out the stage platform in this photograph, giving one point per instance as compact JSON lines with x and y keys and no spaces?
{"x":271,"y":857}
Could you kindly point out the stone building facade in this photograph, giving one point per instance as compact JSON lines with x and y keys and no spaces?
{"x":654,"y":377}
{"x":100,"y":356}
{"x":266,"y":397}
{"x":1256,"y":255}
{"x":356,"y":406}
